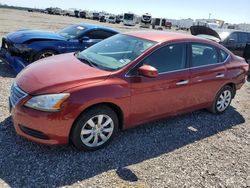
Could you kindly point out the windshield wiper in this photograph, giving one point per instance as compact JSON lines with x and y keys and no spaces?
{"x":87,"y":61}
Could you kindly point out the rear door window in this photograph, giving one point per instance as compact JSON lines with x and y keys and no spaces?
{"x":203,"y":55}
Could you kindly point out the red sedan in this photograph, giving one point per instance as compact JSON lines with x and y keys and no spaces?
{"x":121,"y":82}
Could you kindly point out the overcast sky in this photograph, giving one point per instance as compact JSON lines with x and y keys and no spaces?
{"x":228,"y":10}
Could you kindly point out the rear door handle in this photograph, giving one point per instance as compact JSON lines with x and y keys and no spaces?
{"x":182,"y":82}
{"x":220,"y":75}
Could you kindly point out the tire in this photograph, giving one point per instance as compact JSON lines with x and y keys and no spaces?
{"x":43,"y":54}
{"x":222,"y":100}
{"x":88,"y":134}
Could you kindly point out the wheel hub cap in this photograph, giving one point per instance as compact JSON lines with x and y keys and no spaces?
{"x":223,"y":100}
{"x":97,"y":130}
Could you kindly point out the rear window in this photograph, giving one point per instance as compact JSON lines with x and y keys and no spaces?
{"x":99,"y":34}
{"x":72,"y":32}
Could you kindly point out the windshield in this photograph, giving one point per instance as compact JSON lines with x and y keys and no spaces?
{"x":128,"y":17}
{"x":146,"y":17}
{"x":213,"y":26}
{"x":223,"y":34}
{"x":72,"y":32}
{"x":115,"y":52}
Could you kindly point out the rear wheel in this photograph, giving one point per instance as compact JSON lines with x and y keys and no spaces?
{"x":222,"y":100}
{"x":43,"y":54}
{"x":95,"y":128}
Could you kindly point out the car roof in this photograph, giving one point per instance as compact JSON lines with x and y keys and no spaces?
{"x":92,"y":26}
{"x":231,"y":30}
{"x":162,"y":36}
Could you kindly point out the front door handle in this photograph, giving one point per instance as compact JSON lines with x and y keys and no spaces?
{"x":220,"y":75}
{"x":182,"y":82}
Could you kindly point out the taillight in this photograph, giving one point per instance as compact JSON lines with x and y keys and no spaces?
{"x":246,"y":67}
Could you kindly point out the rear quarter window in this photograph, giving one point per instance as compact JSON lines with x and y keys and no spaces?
{"x":223,"y":55}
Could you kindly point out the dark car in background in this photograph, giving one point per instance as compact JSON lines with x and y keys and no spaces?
{"x":233,"y":40}
{"x":25,"y":46}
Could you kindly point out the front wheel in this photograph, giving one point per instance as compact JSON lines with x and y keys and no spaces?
{"x":43,"y":54}
{"x":95,"y":128}
{"x":222,"y":100}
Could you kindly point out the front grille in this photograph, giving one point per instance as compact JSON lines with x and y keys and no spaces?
{"x":16,"y":94}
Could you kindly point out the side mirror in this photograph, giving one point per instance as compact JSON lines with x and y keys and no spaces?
{"x":148,"y":71}
{"x":84,"y":39}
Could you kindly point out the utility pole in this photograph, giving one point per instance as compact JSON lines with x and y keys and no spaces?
{"x":209,"y":15}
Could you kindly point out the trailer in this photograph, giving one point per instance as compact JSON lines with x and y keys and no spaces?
{"x":96,"y":16}
{"x":70,"y":12}
{"x":77,"y":13}
{"x":185,"y":24}
{"x":82,"y":14}
{"x":89,"y":15}
{"x":129,"y":19}
{"x":158,"y":23}
{"x":112,"y":19}
{"x":146,"y":20}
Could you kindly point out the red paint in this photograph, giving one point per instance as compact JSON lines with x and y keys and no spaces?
{"x":140,"y":99}
{"x":148,"y":71}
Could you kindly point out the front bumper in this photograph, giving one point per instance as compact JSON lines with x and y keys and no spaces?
{"x":16,"y":62}
{"x":41,"y":127}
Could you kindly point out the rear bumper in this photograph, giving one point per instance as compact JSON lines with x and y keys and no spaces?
{"x":17,"y":63}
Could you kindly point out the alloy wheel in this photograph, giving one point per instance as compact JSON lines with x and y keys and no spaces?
{"x":97,"y":130}
{"x":46,"y":54}
{"x":224,"y":100}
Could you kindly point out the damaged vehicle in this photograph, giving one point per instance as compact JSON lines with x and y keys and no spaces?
{"x":233,"y":40}
{"x":25,"y":46}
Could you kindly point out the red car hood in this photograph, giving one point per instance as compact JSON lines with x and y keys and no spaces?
{"x":57,"y":74}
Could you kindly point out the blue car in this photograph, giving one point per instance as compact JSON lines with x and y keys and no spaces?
{"x":25,"y":46}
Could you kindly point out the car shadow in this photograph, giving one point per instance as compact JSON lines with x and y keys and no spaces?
{"x":25,"y":163}
{"x":6,"y":70}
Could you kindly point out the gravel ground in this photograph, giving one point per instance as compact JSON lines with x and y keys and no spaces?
{"x":192,"y":150}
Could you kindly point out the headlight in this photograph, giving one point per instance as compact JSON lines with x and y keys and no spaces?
{"x":47,"y":103}
{"x":22,"y":48}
